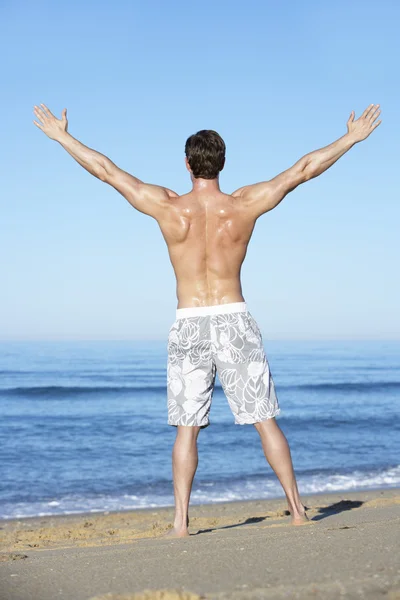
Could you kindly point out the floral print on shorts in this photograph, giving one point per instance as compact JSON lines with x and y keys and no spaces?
{"x":229,"y":344}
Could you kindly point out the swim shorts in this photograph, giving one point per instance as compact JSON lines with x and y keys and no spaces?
{"x":223,"y":339}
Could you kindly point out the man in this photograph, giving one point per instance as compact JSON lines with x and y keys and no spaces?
{"x":207,"y":233}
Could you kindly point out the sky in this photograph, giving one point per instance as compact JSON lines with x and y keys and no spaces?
{"x":276,"y":80}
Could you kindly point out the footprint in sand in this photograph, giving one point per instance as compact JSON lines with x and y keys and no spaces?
{"x":12,"y":556}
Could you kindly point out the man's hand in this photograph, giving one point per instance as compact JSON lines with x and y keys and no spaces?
{"x":149,"y":199}
{"x":360,"y":129}
{"x":264,"y":196}
{"x":52,"y":127}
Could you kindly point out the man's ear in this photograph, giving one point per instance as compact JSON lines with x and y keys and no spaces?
{"x":187,"y":165}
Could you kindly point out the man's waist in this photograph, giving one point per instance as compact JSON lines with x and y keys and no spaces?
{"x":215,"y":309}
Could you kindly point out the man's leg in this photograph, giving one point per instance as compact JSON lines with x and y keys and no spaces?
{"x":277,"y":453}
{"x":184,"y":465}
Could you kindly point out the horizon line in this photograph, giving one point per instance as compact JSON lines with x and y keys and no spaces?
{"x":113,"y":338}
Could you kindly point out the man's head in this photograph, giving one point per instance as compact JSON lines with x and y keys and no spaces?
{"x":205,"y":154}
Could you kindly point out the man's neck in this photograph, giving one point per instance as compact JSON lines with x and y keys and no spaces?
{"x":205,"y":185}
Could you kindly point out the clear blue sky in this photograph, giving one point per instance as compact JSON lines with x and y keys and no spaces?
{"x":276,"y":80}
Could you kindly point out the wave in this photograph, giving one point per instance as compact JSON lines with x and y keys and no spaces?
{"x":364,"y":387}
{"x":67,"y":390}
{"x":256,"y":487}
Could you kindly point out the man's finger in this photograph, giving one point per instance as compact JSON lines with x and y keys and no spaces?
{"x":39,"y":114}
{"x":38,"y":125}
{"x":366,"y":111}
{"x":371,"y":111}
{"x":376,"y":125}
{"x":39,"y":110}
{"x":374,"y":114}
{"x":64,"y":113}
{"x":351,"y":117}
{"x":47,"y":111}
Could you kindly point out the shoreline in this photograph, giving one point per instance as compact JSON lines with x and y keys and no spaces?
{"x":121,"y":526}
{"x":165,"y":507}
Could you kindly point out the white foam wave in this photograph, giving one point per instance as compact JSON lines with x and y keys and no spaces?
{"x":208,"y":493}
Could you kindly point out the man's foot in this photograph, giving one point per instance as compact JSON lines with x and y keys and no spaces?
{"x":180,"y":529}
{"x":299,"y":517}
{"x":177,"y":533}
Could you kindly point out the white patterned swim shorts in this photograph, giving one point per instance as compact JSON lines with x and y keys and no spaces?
{"x":223,"y":339}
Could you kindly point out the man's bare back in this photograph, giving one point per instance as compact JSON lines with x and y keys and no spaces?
{"x":207,"y":231}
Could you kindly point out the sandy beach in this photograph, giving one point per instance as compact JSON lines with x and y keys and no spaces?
{"x":239,"y":550}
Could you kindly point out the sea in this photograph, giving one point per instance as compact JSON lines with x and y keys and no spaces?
{"x":83,"y":426}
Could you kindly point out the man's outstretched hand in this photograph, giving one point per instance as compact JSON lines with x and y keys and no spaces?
{"x":364,"y":125}
{"x":52,"y":127}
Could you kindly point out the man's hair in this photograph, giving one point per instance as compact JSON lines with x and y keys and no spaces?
{"x":205,"y":151}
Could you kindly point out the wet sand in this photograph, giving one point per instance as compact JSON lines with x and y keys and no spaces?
{"x":238,"y":551}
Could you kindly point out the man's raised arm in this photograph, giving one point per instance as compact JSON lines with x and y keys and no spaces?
{"x":148,"y":199}
{"x":264,"y":196}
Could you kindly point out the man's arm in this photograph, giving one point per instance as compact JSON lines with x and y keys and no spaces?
{"x":148,"y":199}
{"x":264,"y":196}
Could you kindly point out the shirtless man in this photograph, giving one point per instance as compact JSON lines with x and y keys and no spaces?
{"x":207,"y":233}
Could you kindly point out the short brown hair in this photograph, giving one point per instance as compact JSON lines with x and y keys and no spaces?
{"x":205,"y":151}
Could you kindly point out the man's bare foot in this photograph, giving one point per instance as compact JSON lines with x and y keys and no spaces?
{"x":177,"y":533}
{"x":299,"y":517}
{"x":179,"y":529}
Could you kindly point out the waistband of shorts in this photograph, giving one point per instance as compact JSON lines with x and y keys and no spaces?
{"x":217,"y":309}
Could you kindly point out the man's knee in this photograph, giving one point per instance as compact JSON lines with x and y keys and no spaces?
{"x":266,"y":425}
{"x":188,"y":432}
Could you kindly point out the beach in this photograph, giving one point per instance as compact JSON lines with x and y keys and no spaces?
{"x":238,"y":550}
{"x":86,"y":496}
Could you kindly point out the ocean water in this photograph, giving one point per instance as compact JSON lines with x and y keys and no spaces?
{"x":83,"y":426}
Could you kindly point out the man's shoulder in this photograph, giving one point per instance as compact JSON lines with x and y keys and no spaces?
{"x":238,"y":193}
{"x":171,"y":194}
